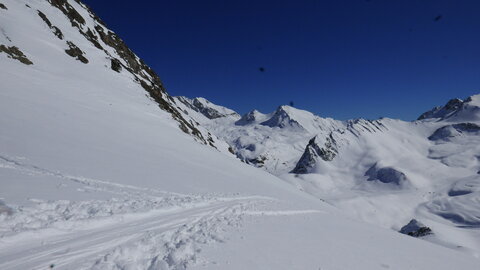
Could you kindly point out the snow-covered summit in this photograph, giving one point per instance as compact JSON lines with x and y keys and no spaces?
{"x":456,"y":110}
{"x":284,"y":117}
{"x":289,"y":117}
{"x":252,"y":117}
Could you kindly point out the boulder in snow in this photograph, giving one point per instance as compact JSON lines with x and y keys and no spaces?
{"x":385,"y":175}
{"x":416,"y":229}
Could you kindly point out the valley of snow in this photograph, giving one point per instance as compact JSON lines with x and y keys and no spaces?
{"x":96,"y":172}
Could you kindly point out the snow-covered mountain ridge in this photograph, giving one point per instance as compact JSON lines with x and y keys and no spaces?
{"x":386,"y":172}
{"x":99,"y":171}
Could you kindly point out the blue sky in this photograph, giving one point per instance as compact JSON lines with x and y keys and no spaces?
{"x":340,"y":59}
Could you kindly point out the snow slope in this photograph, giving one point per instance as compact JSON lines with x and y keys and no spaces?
{"x":95,"y":173}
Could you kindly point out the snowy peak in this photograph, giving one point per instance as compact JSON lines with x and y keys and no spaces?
{"x":296,"y":119}
{"x":283,"y":117}
{"x":252,"y":117}
{"x":456,"y":110}
{"x":207,"y":108}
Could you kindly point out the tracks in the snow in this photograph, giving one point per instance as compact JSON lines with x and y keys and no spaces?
{"x":128,"y":228}
{"x":167,"y":238}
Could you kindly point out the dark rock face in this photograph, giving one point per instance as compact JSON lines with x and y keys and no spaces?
{"x":112,"y":40}
{"x":55,"y":29}
{"x":416,"y":229}
{"x":116,"y":65}
{"x":451,"y":131}
{"x":313,"y":152}
{"x":75,"y":18}
{"x":15,"y":53}
{"x":2,"y":6}
{"x":385,"y":175}
{"x":453,"y":104}
{"x":75,"y":52}
{"x":92,"y":38}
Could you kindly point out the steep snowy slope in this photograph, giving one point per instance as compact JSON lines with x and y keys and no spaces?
{"x":95,"y":174}
{"x":65,"y":38}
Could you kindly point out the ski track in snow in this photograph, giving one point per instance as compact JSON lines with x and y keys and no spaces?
{"x":166,"y":239}
{"x":142,"y":229}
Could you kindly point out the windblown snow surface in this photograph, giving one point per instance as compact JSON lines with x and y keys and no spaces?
{"x":95,"y":175}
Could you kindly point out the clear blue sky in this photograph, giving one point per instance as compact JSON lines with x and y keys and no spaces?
{"x":341,"y":59}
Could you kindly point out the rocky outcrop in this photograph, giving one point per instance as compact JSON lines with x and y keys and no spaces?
{"x":75,"y":18}
{"x":314,"y":152}
{"x":56,"y":31}
{"x":416,"y":229}
{"x":443,"y":111}
{"x":115,"y":65}
{"x":15,"y":53}
{"x":385,"y":175}
{"x":76,"y":53}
